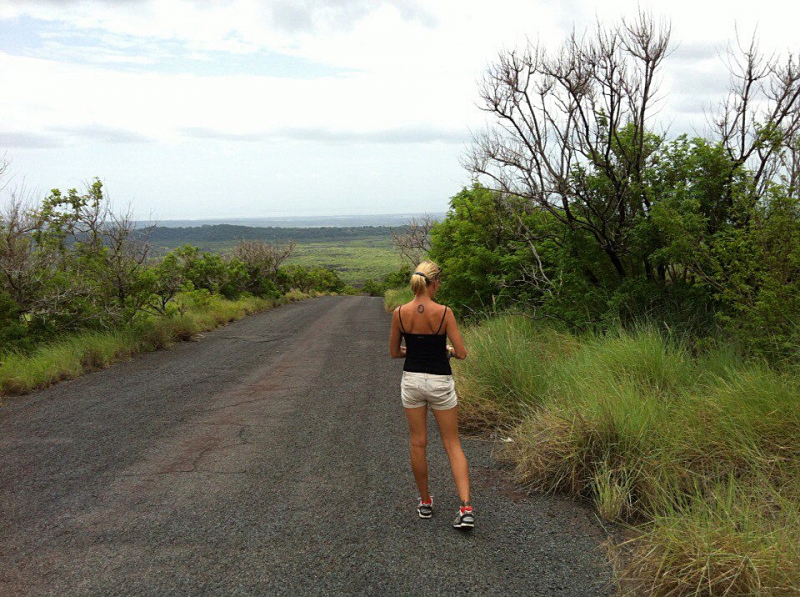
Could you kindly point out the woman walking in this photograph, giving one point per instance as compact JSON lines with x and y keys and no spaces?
{"x":427,"y":380}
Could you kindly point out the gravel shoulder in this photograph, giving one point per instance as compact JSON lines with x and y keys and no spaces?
{"x":269,"y":457}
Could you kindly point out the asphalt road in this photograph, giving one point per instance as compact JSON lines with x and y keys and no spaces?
{"x":270,"y":457}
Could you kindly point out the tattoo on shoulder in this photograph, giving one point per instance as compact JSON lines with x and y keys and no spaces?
{"x":421,"y":309}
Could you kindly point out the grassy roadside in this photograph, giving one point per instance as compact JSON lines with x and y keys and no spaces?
{"x":697,"y":456}
{"x":71,"y":357}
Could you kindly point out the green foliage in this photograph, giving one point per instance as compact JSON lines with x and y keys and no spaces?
{"x":497,"y":253}
{"x":398,"y":278}
{"x":755,"y":269}
{"x":478,"y":247}
{"x":13,"y":332}
{"x":70,"y":265}
{"x":373,"y":288}
{"x":316,"y":279}
{"x":742,"y":252}
{"x":393,"y":280}
{"x":203,"y":270}
{"x":708,"y":254}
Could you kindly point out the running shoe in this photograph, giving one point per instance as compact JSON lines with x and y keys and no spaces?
{"x":465,"y":518}
{"x":425,"y":509}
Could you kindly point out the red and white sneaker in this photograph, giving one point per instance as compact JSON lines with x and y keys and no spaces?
{"x":465,"y":518}
{"x":425,"y":509}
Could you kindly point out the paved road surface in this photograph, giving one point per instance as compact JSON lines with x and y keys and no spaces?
{"x":268,"y":458}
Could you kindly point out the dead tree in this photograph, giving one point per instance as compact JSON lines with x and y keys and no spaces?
{"x":262,"y":257}
{"x":414,"y":242}
{"x":16,"y":250}
{"x":759,"y":121}
{"x":566,"y":120}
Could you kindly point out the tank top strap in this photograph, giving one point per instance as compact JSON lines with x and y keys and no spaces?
{"x":399,"y":315}
{"x":442,"y":321}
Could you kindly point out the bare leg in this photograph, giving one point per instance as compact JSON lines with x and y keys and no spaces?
{"x":418,"y":429}
{"x":448,"y":429}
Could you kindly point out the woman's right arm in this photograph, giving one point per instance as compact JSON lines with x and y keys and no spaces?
{"x":395,"y":349}
{"x":451,"y":329}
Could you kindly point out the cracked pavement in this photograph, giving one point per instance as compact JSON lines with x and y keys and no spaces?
{"x":268,"y":458}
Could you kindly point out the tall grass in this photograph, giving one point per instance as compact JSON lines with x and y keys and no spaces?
{"x":700,"y":456}
{"x":70,"y":357}
{"x":507,"y":371}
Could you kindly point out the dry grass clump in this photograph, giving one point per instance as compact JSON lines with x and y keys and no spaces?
{"x":732,"y":539}
{"x":699,"y":456}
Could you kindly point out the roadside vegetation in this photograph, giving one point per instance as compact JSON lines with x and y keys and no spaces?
{"x":394,"y":297}
{"x":80,"y":288}
{"x":696,"y":454}
{"x":631,"y":304}
{"x":73,"y":355}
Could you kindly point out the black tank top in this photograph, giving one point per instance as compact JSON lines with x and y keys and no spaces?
{"x":426,"y":353}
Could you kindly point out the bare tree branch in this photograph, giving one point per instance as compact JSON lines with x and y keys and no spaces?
{"x":264,"y":257}
{"x":562,"y":119}
{"x":414,"y":243}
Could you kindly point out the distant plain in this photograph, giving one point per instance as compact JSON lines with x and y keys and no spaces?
{"x":356,"y":253}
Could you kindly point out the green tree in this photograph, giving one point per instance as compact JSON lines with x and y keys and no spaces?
{"x":684,"y":231}
{"x":480,"y":250}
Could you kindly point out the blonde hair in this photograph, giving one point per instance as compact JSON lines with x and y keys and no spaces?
{"x":425,"y":274}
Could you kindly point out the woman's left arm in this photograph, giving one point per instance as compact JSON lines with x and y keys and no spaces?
{"x":451,"y":329}
{"x":395,"y":349}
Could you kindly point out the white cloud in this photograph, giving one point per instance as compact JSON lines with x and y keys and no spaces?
{"x":399,"y":76}
{"x":399,"y":135}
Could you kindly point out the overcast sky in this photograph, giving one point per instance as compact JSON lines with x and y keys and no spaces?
{"x":248,"y":108}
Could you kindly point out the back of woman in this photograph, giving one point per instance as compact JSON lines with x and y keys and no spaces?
{"x":425,"y":326}
{"x":417,"y":319}
{"x":425,"y":336}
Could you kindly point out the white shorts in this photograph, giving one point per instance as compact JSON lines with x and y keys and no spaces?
{"x":419,"y":389}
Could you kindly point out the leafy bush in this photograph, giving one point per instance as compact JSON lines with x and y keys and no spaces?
{"x":317,"y":279}
{"x":396,"y":279}
{"x":373,"y":288}
{"x":478,"y":250}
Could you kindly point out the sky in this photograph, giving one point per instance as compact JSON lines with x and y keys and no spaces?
{"x":273,"y":108}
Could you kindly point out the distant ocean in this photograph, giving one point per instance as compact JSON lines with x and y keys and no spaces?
{"x":297,"y":222}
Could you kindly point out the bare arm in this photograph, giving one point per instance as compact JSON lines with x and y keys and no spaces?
{"x":395,"y":349}
{"x":451,"y":329}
